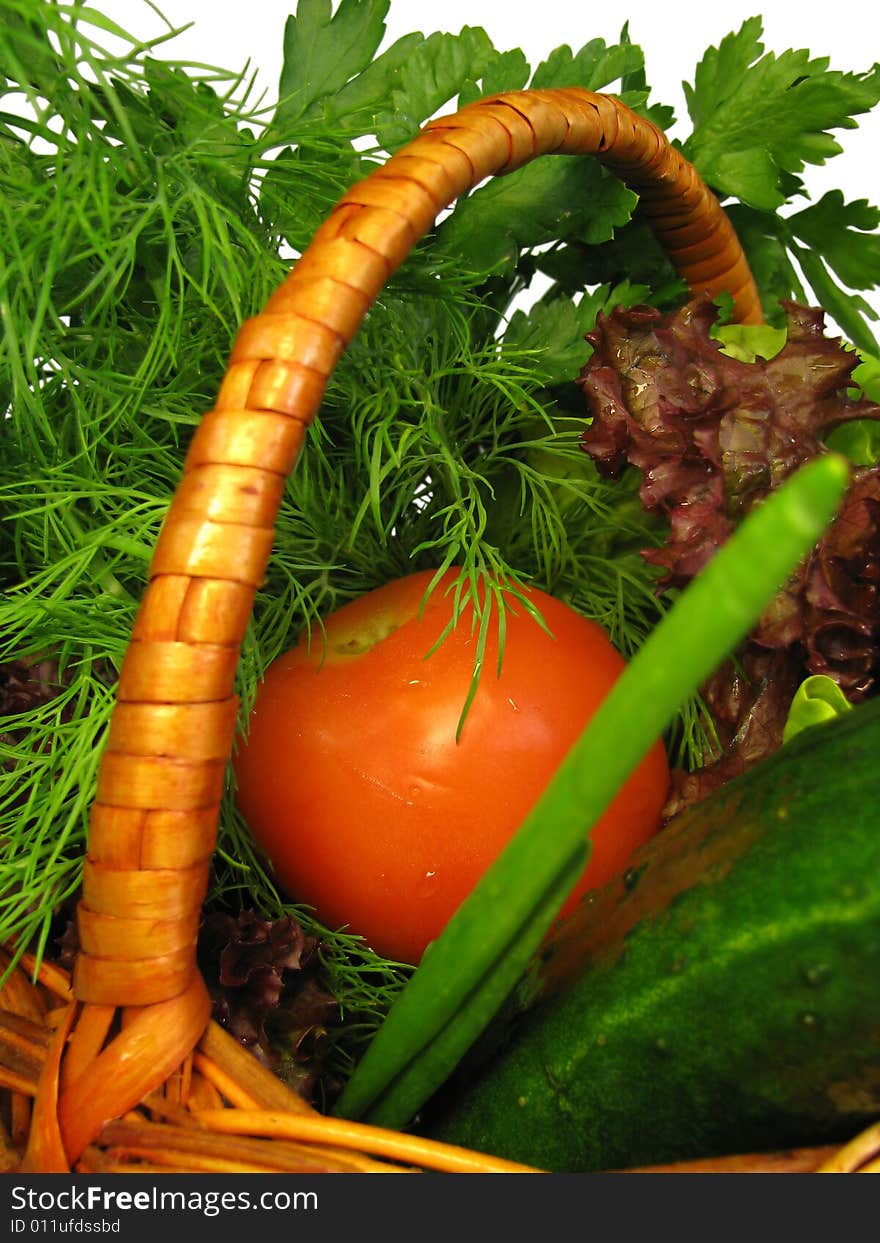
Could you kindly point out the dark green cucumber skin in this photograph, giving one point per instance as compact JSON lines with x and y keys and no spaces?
{"x":725,"y":997}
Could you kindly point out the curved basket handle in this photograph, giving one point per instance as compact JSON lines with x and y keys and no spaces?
{"x":161,"y":777}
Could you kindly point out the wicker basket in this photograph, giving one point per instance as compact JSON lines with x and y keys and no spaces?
{"x":125,"y":1070}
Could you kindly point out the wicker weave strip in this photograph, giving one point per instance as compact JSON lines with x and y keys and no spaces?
{"x":150,"y":1047}
{"x":262,"y":1089}
{"x":160,"y":781}
{"x":192,"y":1150}
{"x":86,"y":1041}
{"x":154,"y":839}
{"x":175,"y":673}
{"x":17,"y":997}
{"x":179,"y":609}
{"x":104,"y":936}
{"x":435,"y":179}
{"x":242,"y":497}
{"x":201,"y":731}
{"x":45,"y":1152}
{"x":148,"y":893}
{"x":257,"y":437}
{"x":149,"y":979}
{"x":22,"y":1051}
{"x":201,"y":548}
{"x":354,"y":1135}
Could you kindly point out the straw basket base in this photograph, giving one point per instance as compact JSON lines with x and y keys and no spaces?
{"x":222,"y":1111}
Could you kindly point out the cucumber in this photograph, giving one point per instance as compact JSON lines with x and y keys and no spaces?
{"x":723,"y":996}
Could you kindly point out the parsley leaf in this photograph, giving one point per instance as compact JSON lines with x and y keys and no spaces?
{"x":541,"y":202}
{"x":812,"y":247}
{"x":441,"y":67}
{"x":557,"y":329}
{"x":841,"y":233}
{"x":757,"y":117}
{"x":594,"y":66}
{"x":506,"y":71}
{"x":848,"y":310}
{"x":357,"y":104}
{"x":323,"y":50}
{"x":634,"y":91}
{"x":634,"y":250}
{"x":720,"y":71}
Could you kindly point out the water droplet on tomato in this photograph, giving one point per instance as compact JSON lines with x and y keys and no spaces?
{"x":427,"y":885}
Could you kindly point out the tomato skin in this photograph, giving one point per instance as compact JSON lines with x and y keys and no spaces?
{"x":352,"y":782}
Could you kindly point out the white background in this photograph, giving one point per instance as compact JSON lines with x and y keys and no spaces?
{"x":673,"y":34}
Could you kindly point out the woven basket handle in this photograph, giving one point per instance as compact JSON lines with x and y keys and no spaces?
{"x":161,"y":777}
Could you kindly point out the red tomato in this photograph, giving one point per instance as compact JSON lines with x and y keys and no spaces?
{"x":353,"y":783}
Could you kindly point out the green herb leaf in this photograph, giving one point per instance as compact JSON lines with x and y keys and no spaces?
{"x":635,"y":92}
{"x":634,"y":250}
{"x":867,"y":376}
{"x":772,"y":247}
{"x":757,"y":117}
{"x":720,"y":71}
{"x":324,"y":49}
{"x":555,"y":329}
{"x":858,"y":441}
{"x":594,"y":66}
{"x":357,"y":103}
{"x":545,"y":200}
{"x":844,"y":234}
{"x":506,"y":71}
{"x":302,"y":184}
{"x":441,"y":67}
{"x":750,"y":341}
{"x":849,"y":310}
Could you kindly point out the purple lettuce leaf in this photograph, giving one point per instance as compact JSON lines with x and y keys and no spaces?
{"x":712,"y":435}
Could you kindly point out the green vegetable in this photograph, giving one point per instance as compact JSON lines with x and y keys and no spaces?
{"x":721,"y":997}
{"x":467,"y":973}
